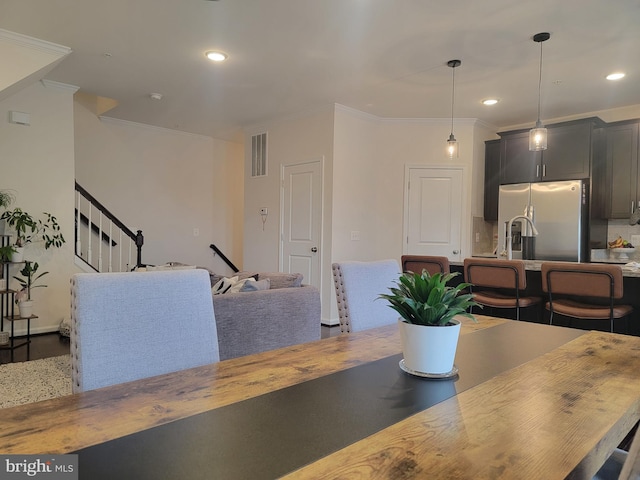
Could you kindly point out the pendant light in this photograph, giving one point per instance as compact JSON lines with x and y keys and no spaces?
{"x":452,"y":143}
{"x":538,"y":134}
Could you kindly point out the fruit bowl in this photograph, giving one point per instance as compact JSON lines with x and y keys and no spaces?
{"x":623,"y":252}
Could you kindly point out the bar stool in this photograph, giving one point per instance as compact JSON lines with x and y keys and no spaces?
{"x":579,"y":290}
{"x":500,"y":282}
{"x":417,"y":263}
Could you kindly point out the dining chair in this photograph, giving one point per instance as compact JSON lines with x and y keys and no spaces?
{"x":499,"y":283}
{"x":128,"y":326}
{"x":418,"y":263}
{"x":357,"y":286}
{"x":585,"y":291}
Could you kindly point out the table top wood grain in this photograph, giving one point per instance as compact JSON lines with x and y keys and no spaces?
{"x":557,"y":416}
{"x":69,"y":423}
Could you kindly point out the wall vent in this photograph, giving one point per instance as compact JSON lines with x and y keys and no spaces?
{"x":259,"y":155}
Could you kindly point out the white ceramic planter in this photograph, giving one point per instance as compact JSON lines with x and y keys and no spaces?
{"x":26,"y":308}
{"x":429,"y":349}
{"x":18,"y":255}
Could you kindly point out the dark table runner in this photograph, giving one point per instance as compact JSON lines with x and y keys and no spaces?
{"x":276,"y":433}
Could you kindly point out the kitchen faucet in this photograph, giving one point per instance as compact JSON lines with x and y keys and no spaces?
{"x":509,"y":224}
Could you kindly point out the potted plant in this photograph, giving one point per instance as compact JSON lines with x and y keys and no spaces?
{"x":27,"y":282}
{"x":29,"y":229}
{"x":429,"y":330}
{"x":6,"y":199}
{"x":6,"y":252}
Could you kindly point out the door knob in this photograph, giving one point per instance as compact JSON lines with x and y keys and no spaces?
{"x":455,"y":252}
{"x":314,"y":249}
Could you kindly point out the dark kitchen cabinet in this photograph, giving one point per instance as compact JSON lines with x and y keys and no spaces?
{"x":567,"y":157}
{"x":491,"y":179}
{"x":517,"y":163}
{"x":622,"y":169}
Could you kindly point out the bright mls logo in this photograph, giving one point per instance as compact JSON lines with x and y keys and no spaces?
{"x":51,"y":467}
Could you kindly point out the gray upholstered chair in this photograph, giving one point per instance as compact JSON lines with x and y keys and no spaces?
{"x":358,"y":285}
{"x":584,"y":290}
{"x":430,"y":263}
{"x":128,"y":326}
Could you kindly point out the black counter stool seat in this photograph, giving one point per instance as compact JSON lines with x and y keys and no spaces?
{"x":499,"y":283}
{"x":584,"y":290}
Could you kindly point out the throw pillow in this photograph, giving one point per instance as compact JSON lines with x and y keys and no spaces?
{"x":255,"y":286}
{"x":216,"y":277}
{"x":282,"y":280}
{"x":223,"y":285}
{"x":237,"y":287}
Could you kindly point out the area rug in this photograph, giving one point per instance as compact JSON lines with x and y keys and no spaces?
{"x":35,"y":380}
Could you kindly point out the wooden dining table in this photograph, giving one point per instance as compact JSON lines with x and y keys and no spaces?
{"x":529,"y":401}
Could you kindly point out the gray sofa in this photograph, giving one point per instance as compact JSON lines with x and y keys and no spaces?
{"x":286,"y":314}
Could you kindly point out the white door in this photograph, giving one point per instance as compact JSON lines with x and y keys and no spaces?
{"x":433,"y":211}
{"x":301,"y":228}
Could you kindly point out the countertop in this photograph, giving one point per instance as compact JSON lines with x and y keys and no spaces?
{"x":534,"y":265}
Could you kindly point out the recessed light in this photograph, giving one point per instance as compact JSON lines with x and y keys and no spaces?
{"x":216,"y":56}
{"x":490,"y":101}
{"x":615,"y":76}
{"x":156,"y":96}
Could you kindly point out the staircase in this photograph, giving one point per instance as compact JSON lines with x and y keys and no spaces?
{"x":102,"y":242}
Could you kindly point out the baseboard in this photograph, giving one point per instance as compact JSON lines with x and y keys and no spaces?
{"x":22,"y":332}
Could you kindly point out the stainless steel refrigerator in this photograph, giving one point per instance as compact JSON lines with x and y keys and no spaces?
{"x":559,"y":211}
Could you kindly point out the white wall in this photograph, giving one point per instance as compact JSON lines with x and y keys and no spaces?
{"x":356,"y":189}
{"x":291,"y":140}
{"x":365,"y":160}
{"x":165,"y":183}
{"x":419,"y":142}
{"x":38,"y":163}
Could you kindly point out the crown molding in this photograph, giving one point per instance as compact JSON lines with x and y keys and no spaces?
{"x":61,"y":87}
{"x":420,"y":121}
{"x":256,"y":127}
{"x":34,"y":43}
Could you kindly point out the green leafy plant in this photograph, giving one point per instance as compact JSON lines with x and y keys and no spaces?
{"x":28,"y":281}
{"x":6,"y":198}
{"x":29,"y":229}
{"x":425,"y":299}
{"x":6,"y":252}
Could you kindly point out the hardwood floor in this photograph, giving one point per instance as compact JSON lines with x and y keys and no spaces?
{"x":53,"y":344}
{"x":42,"y":346}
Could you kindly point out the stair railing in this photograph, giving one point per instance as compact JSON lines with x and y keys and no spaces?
{"x":101,"y":238}
{"x":224,"y":258}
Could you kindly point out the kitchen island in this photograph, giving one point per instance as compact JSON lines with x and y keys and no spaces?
{"x":631,"y":296}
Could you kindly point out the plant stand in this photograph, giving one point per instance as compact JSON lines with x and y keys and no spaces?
{"x":12,"y":343}
{"x":7,"y":309}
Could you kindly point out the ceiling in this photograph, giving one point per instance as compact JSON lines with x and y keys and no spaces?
{"x":386,"y":58}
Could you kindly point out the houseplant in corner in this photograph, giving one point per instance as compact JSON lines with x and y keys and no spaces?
{"x":6,"y":199}
{"x":29,"y":229}
{"x":27,"y":282}
{"x":427,"y":306}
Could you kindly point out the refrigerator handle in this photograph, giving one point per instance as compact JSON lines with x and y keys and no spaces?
{"x":544,"y":170}
{"x":537,"y":170}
